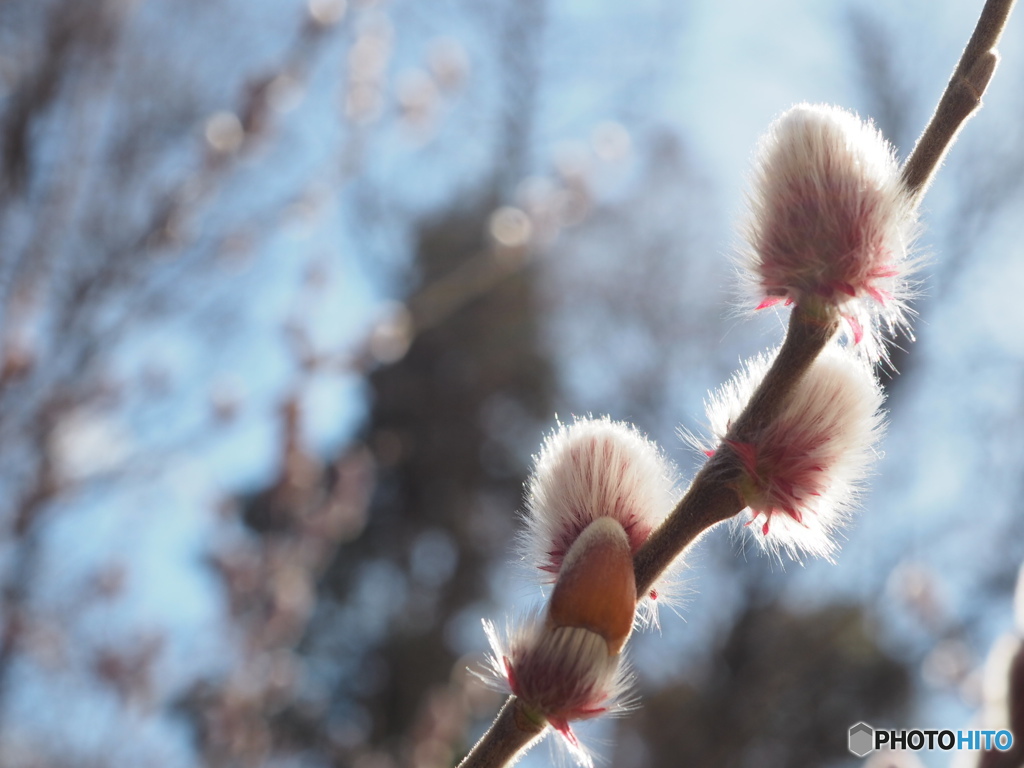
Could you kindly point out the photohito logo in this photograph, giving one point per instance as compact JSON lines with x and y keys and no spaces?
{"x":863,"y":740}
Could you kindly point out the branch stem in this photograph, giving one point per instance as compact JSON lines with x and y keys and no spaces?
{"x":961,"y":98}
{"x":510,"y":735}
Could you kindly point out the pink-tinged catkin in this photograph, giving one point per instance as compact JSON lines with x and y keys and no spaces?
{"x":565,"y":674}
{"x":831,"y":223}
{"x":801,"y":475}
{"x":566,"y":666}
{"x":595,"y":468}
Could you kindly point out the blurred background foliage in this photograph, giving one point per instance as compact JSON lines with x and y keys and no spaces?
{"x":290,"y":292}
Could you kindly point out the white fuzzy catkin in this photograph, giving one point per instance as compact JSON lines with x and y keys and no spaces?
{"x":564,"y":674}
{"x":596,"y":468}
{"x":830,"y":223}
{"x":803,"y":473}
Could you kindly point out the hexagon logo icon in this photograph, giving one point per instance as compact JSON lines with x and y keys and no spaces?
{"x":862,"y":739}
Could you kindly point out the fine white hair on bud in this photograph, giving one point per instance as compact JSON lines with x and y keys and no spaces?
{"x":801,"y":475}
{"x":831,"y":223}
{"x":589,"y":469}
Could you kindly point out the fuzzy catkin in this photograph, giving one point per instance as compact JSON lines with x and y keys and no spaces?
{"x":831,"y":224}
{"x":802,"y":474}
{"x":591,"y":468}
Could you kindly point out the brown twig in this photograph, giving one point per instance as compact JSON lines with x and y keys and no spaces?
{"x":711,"y":498}
{"x":961,"y":98}
{"x":510,"y":735}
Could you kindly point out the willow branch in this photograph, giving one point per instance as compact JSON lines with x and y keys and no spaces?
{"x":707,"y":502}
{"x":961,"y":98}
{"x":712,"y":497}
{"x":508,"y":738}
